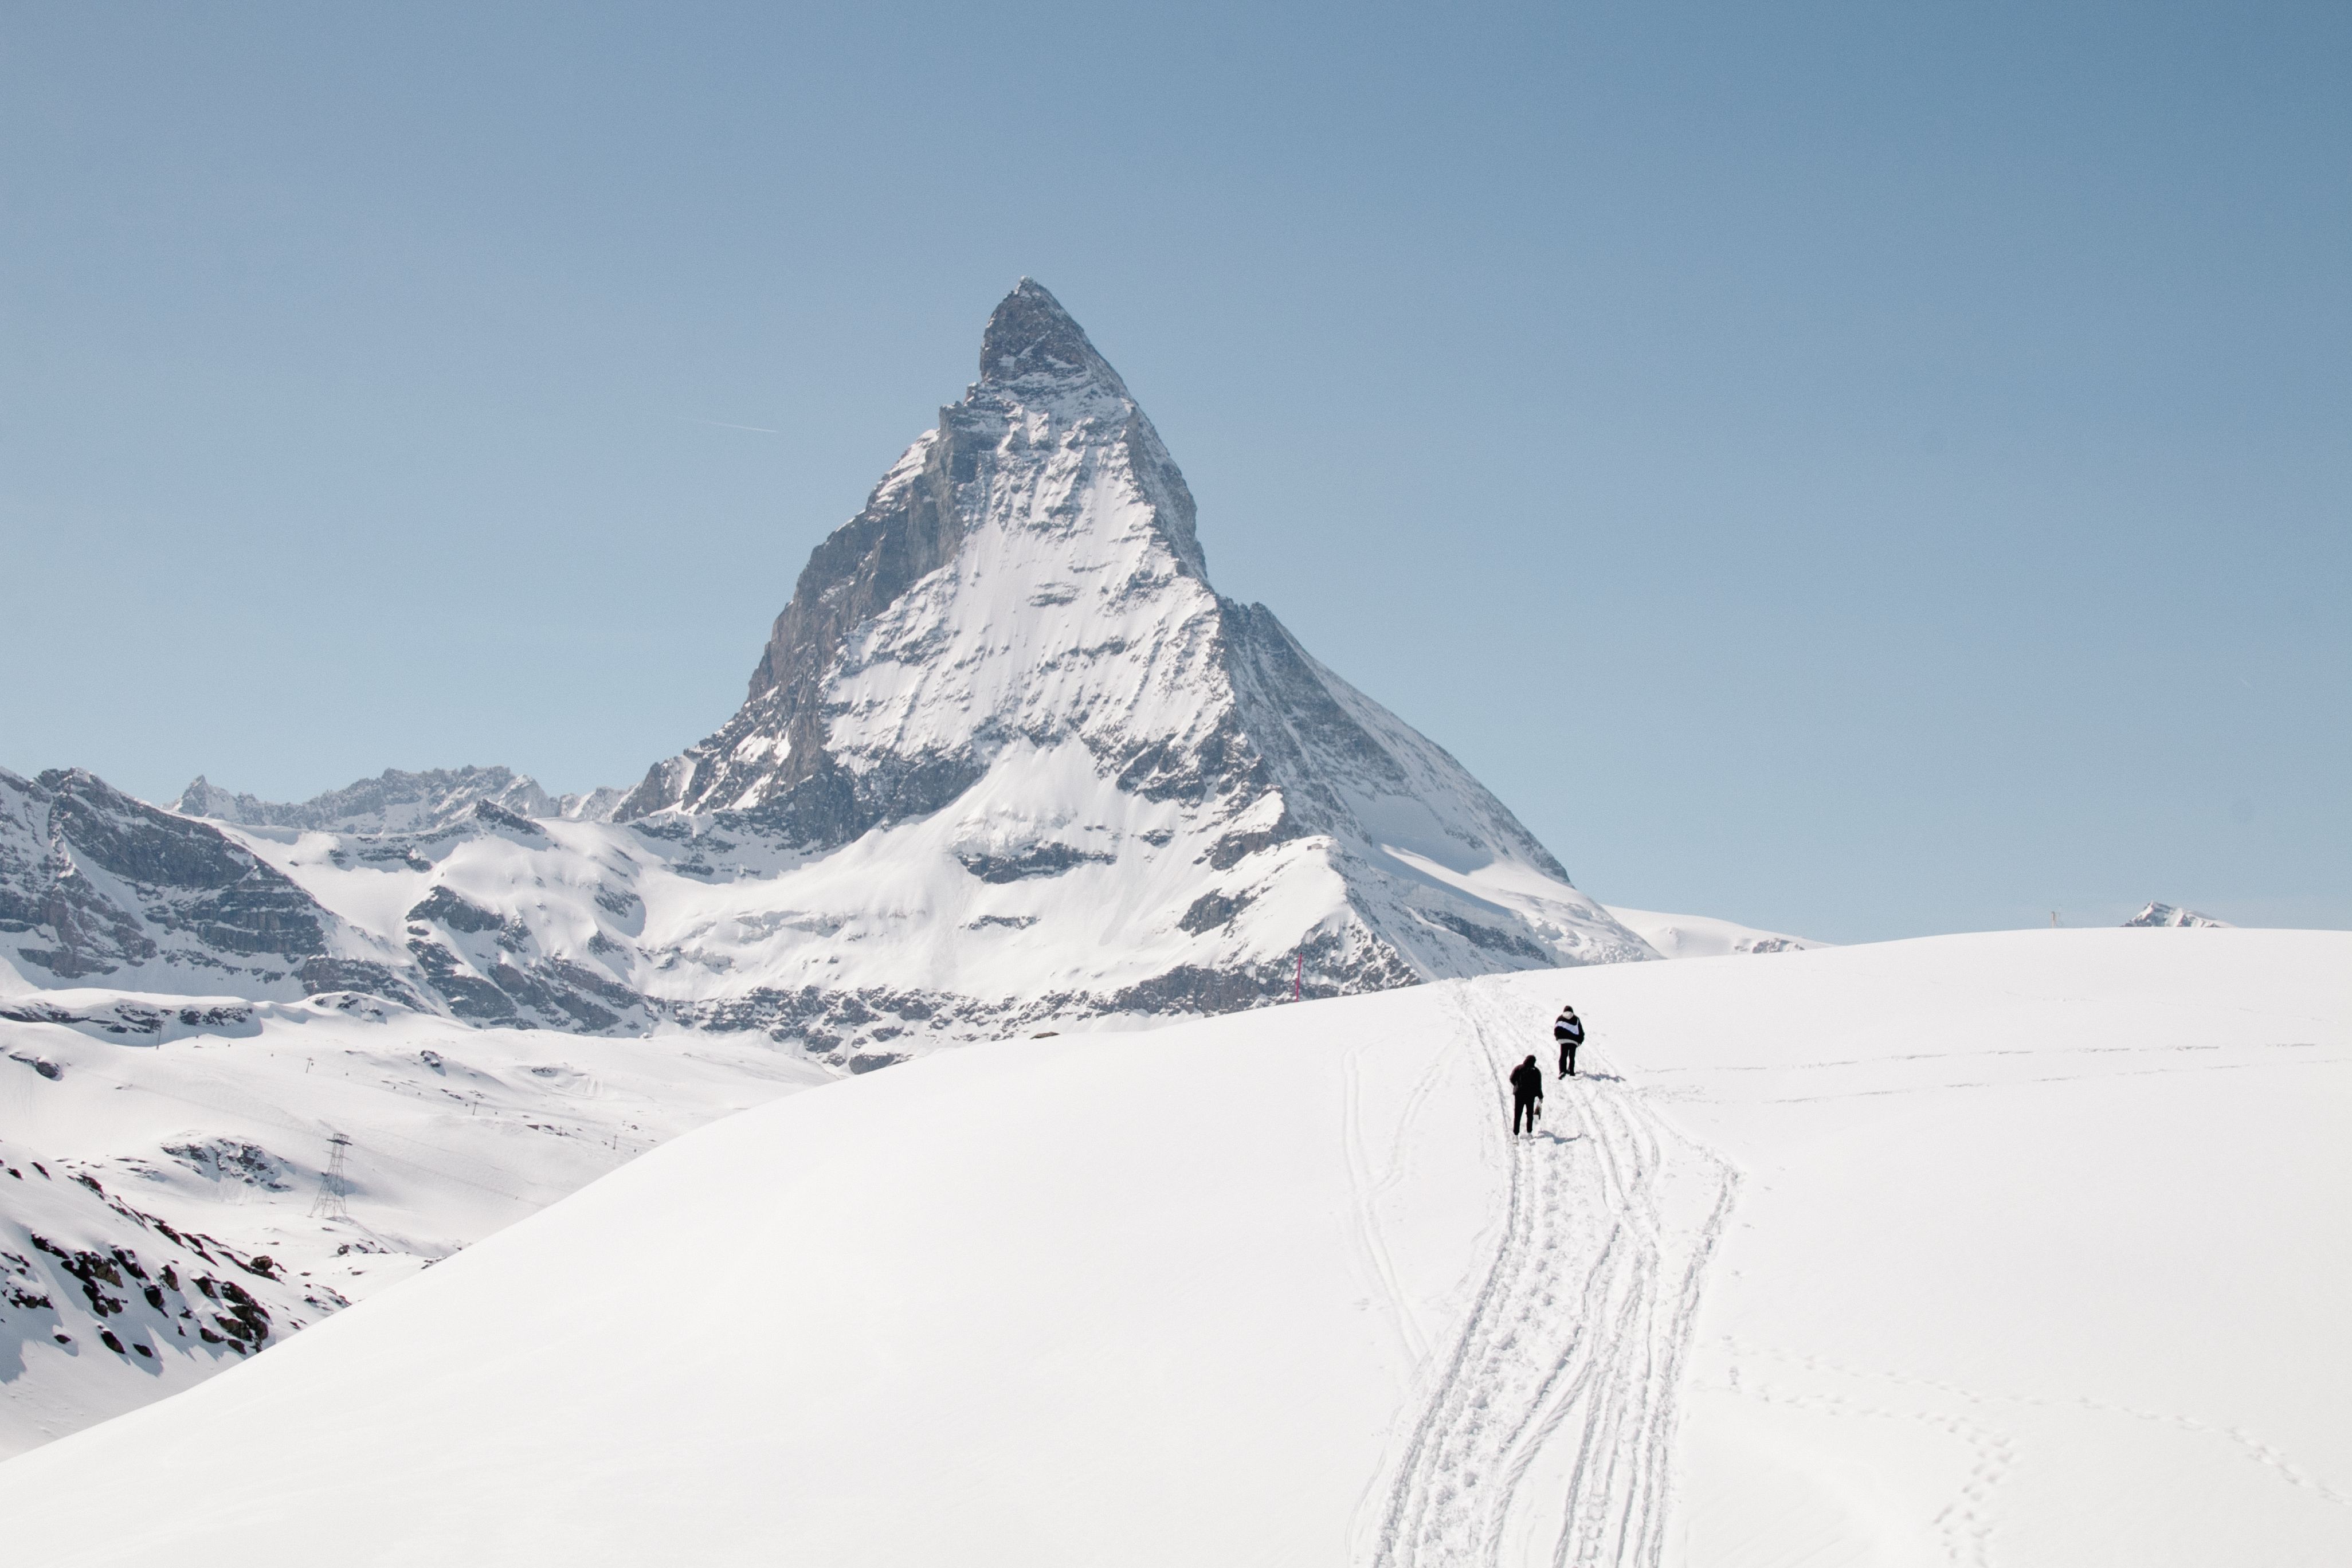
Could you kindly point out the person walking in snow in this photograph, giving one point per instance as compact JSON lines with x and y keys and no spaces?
{"x":1569,"y":1030}
{"x":1526,"y":1095}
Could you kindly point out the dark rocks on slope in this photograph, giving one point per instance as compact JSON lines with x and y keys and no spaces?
{"x":1035,"y":861}
{"x":454,"y":911}
{"x":1210,"y":911}
{"x":184,"y":879}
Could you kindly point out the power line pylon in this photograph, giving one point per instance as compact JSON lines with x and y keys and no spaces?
{"x":332,"y":1183}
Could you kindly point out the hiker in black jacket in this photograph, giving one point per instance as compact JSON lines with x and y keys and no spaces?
{"x":1526,"y":1095}
{"x":1569,"y":1030}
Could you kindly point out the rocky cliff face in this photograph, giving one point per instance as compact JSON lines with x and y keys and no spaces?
{"x":94,"y":884}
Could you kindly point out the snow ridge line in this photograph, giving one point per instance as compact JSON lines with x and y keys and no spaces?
{"x":1548,"y":1438}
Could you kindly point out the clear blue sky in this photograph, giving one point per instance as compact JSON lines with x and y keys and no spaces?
{"x":1852,"y":469}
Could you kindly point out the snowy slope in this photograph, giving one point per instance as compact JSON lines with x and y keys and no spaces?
{"x":2009,"y":1248}
{"x":1703,"y":936}
{"x":161,"y":1162}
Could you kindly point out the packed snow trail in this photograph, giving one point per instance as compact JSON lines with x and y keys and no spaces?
{"x":1548,"y":1437}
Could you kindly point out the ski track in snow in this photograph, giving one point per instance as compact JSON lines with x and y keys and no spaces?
{"x":1369,"y":1193}
{"x":1548,"y":1437}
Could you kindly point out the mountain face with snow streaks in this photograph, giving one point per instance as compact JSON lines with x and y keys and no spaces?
{"x":93,"y":882}
{"x":1007,"y":758}
{"x":1022,"y":612}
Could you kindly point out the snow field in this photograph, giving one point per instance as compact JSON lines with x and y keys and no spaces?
{"x":1548,"y":1434}
{"x":2014,"y":1249}
{"x":224,"y":1131}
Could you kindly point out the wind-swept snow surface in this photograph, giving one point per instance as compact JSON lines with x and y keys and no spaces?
{"x":2014,"y":1249}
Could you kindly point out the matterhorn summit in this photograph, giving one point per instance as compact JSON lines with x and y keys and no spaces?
{"x":1067,"y":769}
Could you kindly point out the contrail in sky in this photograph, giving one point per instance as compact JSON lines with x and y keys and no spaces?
{"x":722,"y":425}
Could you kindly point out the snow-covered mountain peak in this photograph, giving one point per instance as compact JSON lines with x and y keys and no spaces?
{"x":2162,"y":914}
{"x":1016,"y":641}
{"x":1020,"y":571}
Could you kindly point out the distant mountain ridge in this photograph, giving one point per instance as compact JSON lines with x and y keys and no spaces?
{"x":2157,"y":914}
{"x":398,"y":802}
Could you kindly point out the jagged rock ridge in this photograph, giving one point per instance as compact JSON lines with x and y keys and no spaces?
{"x":399,"y":801}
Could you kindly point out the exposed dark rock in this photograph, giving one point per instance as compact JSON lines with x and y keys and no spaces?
{"x":320,"y":975}
{"x":233,"y":1160}
{"x":451,"y":909}
{"x":1035,"y":860}
{"x":469,"y":996}
{"x":1210,"y":911}
{"x":1493,"y":939}
{"x":495,"y":815}
{"x":192,"y":891}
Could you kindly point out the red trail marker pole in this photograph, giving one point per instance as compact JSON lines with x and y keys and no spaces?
{"x":1299,"y":981}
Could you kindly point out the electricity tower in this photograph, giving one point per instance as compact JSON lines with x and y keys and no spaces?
{"x":332,"y":1183}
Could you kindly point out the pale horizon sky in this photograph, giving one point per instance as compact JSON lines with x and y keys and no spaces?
{"x":1848,"y":470}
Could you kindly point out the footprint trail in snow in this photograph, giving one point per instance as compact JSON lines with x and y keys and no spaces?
{"x":1548,"y":1437}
